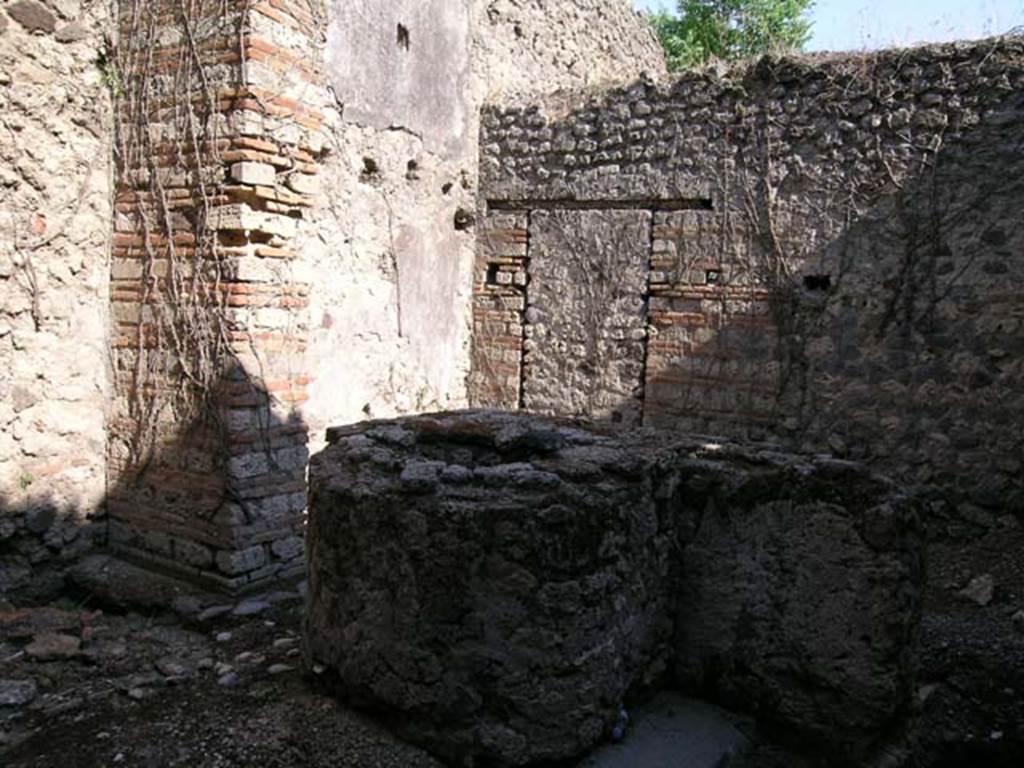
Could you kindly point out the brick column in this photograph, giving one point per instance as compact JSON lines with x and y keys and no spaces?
{"x":216,"y":492}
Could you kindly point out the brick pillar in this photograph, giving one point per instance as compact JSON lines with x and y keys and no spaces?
{"x":218,"y":162}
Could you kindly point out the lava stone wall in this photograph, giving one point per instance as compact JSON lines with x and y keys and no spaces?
{"x":500,"y":584}
{"x":834,"y":251}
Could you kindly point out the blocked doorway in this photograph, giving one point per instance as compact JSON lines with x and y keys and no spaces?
{"x":585,"y":325}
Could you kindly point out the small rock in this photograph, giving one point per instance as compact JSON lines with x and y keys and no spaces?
{"x":285,"y":642}
{"x":27,"y":622}
{"x":279,"y":669}
{"x":251,"y":608}
{"x":229,"y":680}
{"x":213,"y":612}
{"x":187,"y":607}
{"x":224,"y":637}
{"x":1018,"y":621}
{"x":33,"y":16}
{"x":204,"y":664}
{"x":17,"y":693}
{"x":172,"y":668}
{"x":72,"y":33}
{"x":138,"y":694}
{"x":980,"y":590}
{"x":53,"y":647}
{"x":222,"y":669}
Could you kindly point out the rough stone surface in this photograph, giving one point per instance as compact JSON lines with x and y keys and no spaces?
{"x":17,"y":693}
{"x":500,"y":584}
{"x":55,"y":219}
{"x":33,"y":16}
{"x":53,"y":647}
{"x":586,"y":314}
{"x":801,"y":605}
{"x":404,"y":161}
{"x":777,"y":306}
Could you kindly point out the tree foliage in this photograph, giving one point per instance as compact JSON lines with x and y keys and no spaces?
{"x":731,"y":29}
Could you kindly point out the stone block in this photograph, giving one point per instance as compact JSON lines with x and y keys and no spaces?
{"x":255,"y":174}
{"x":504,"y":624}
{"x":304,"y":183}
{"x":500,"y":584}
{"x":33,"y":16}
{"x":235,"y":563}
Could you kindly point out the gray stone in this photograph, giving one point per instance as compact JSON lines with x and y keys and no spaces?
{"x":17,"y":693}
{"x":52,"y":646}
{"x":173,"y":668}
{"x":256,"y":174}
{"x":214,"y":612}
{"x":72,"y":33}
{"x":1018,"y":621}
{"x":33,"y":16}
{"x":980,"y":591}
{"x":236,"y":562}
{"x":251,"y":608}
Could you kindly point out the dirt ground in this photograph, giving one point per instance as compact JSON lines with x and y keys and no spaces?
{"x":156,"y":691}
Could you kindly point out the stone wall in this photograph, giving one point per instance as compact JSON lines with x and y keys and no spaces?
{"x":293,"y":212}
{"x":219,"y":134}
{"x":393,"y":238}
{"x":501,"y":585}
{"x":55,"y":222}
{"x":831,"y":255}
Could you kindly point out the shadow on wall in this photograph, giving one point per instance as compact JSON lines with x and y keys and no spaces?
{"x":889,"y":331}
{"x":218,"y":500}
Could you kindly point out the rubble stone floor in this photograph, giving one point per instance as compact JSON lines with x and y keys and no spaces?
{"x":214,"y":683}
{"x":167,"y":690}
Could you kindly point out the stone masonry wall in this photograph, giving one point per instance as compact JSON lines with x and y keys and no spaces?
{"x":832,"y":256}
{"x":55,"y":222}
{"x":393,"y":239}
{"x":293,"y":213}
{"x":219,"y":131}
{"x":500,"y":585}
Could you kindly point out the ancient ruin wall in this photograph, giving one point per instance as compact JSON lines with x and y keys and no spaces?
{"x":500,"y":584}
{"x":54,"y":242}
{"x":392,"y":242}
{"x":218,"y":139}
{"x":832,"y":251}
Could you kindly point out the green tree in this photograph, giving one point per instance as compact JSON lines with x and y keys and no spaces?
{"x":731,"y":29}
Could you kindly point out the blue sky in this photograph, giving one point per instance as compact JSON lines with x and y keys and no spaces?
{"x":861,"y":24}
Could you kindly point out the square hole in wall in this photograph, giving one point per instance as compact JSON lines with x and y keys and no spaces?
{"x":713,"y":277}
